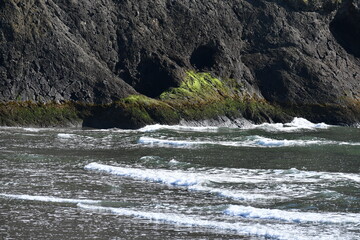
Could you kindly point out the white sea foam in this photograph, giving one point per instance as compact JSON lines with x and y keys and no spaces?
{"x":285,"y":183}
{"x":225,"y":175}
{"x":66,"y":135}
{"x":170,"y":177}
{"x":313,"y":176}
{"x":291,"y":216}
{"x":237,"y":194}
{"x":297,"y":124}
{"x":303,"y":123}
{"x":110,"y":130}
{"x":157,"y":127}
{"x":47,"y":199}
{"x":249,"y":141}
{"x":166,"y":142}
{"x":174,"y":143}
{"x":191,"y":180}
{"x":32,"y":129}
{"x":258,"y":141}
{"x":174,"y":162}
{"x":244,"y":228}
{"x":146,"y":158}
{"x":193,"y":221}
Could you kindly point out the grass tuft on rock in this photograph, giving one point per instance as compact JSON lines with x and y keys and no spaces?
{"x":202,"y":96}
{"x":197,"y":87}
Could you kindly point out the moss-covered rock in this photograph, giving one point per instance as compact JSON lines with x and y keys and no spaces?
{"x":39,"y":114}
{"x":202,"y":96}
{"x":199,"y":97}
{"x":132,"y":112}
{"x":145,"y":110}
{"x":289,"y":52}
{"x":198,"y":87}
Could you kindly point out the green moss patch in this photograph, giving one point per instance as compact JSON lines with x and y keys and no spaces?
{"x":145,"y":110}
{"x":39,"y":114}
{"x":200,"y":96}
{"x":197,"y":87}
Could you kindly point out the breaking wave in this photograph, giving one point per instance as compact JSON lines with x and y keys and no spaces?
{"x":204,"y":180}
{"x":297,"y":124}
{"x":292,"y":216}
{"x":192,"y":221}
{"x":156,"y":127}
{"x":66,"y":135}
{"x":47,"y":198}
{"x":249,"y":141}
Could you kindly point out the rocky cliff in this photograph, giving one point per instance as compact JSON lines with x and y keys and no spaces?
{"x":301,"y":56}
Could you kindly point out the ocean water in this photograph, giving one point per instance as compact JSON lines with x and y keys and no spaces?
{"x":299,"y":180}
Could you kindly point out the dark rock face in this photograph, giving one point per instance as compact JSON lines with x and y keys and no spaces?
{"x":298,"y":60}
{"x":346,"y":27}
{"x":58,"y":50}
{"x":291,"y":53}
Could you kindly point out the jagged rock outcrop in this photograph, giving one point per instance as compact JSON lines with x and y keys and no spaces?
{"x":48,"y":52}
{"x":301,"y":55}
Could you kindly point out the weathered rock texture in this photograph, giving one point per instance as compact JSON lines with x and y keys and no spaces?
{"x":301,"y":55}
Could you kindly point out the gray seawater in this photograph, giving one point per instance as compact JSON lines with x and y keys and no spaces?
{"x":271,"y":181}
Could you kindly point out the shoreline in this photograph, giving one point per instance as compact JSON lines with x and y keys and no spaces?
{"x":199,"y":98}
{"x":89,"y":116}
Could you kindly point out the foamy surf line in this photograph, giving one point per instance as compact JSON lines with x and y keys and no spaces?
{"x":237,"y":194}
{"x":249,"y":141}
{"x":253,"y":141}
{"x":192,"y":181}
{"x":313,"y":176}
{"x":157,"y":127}
{"x":288,"y":176}
{"x":184,"y":220}
{"x":199,"y":181}
{"x":47,"y":199}
{"x":291,"y":216}
{"x":154,"y":175}
{"x":297,"y":124}
{"x":66,"y":135}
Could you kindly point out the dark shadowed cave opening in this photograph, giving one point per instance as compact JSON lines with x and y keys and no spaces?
{"x":154,"y":78}
{"x":345,"y":28}
{"x":203,"y":58}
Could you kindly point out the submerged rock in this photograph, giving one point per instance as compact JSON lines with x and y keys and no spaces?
{"x":300,"y":56}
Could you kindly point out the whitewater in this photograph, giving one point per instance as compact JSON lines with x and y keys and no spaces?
{"x":298,"y":180}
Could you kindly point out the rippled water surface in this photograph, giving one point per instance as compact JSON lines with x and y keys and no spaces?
{"x":272,"y":181}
